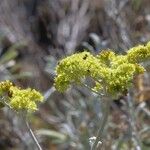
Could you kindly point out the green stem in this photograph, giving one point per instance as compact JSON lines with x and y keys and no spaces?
{"x":103,"y":124}
{"x":33,"y":136}
{"x":132,"y":121}
{"x":88,"y":87}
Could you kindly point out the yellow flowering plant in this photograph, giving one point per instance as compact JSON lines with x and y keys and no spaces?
{"x":107,"y":69}
{"x":22,"y":101}
{"x":112,"y":73}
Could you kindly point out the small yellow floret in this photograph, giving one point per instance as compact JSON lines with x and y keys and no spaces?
{"x":5,"y":86}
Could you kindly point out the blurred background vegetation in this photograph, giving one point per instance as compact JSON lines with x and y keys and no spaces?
{"x":35,"y":35}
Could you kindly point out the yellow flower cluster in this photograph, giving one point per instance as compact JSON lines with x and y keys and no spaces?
{"x":75,"y":68}
{"x":139,"y":53}
{"x":109,"y":70}
{"x":5,"y":86}
{"x":24,"y":99}
{"x":20,"y":99}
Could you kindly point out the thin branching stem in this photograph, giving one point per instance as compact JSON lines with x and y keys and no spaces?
{"x":104,"y":119}
{"x":33,"y":136}
{"x":132,"y":122}
{"x":88,"y":87}
{"x":103,"y":124}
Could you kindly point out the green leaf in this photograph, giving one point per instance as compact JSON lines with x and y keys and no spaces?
{"x":9,"y":55}
{"x":56,"y":136}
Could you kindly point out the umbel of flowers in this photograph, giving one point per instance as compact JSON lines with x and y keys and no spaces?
{"x":110,"y":72}
{"x":17,"y":98}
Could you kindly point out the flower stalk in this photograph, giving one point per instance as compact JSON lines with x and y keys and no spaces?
{"x":132,"y":122}
{"x":32,"y":135}
{"x":102,"y":128}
